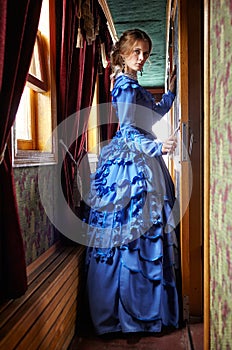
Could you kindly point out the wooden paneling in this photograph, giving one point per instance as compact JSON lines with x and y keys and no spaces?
{"x":46,"y":316}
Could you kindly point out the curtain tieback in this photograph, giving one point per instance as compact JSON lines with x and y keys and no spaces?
{"x":79,"y":180}
{"x":2,"y":154}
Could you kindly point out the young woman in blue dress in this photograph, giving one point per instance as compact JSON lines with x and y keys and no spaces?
{"x":132,"y":262}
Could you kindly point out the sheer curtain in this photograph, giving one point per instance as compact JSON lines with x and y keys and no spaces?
{"x":18,"y":22}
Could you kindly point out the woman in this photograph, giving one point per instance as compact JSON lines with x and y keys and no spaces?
{"x":132,"y":257}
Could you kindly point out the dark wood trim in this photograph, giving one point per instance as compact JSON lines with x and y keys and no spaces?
{"x":45,"y":317}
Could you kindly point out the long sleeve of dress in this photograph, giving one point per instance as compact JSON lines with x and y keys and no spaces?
{"x":165,"y":104}
{"x":125,"y":99}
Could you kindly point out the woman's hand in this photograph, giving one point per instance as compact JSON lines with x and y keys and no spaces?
{"x":169,"y":145}
{"x":172,"y":83}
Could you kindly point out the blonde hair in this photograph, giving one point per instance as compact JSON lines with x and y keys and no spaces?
{"x":125,"y":46}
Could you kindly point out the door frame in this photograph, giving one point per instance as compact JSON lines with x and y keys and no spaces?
{"x":206,"y":177}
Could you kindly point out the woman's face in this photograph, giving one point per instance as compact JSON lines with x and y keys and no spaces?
{"x":135,"y":60}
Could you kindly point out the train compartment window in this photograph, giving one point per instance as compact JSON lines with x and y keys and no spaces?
{"x":33,"y":139}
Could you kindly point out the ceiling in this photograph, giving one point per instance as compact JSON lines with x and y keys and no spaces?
{"x":149,"y":16}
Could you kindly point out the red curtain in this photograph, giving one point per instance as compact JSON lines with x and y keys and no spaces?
{"x":76,"y":82}
{"x":18,"y":23}
{"x":108,"y":120}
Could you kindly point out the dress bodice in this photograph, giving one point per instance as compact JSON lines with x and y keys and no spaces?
{"x":138,"y":111}
{"x":136,"y":106}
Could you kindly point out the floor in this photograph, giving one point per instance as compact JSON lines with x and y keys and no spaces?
{"x":187,"y":338}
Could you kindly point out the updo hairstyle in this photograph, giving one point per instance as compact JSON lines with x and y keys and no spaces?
{"x":125,"y":46}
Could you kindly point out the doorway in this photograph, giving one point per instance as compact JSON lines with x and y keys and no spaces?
{"x":185,"y":51}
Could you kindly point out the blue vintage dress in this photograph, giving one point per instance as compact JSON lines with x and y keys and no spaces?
{"x":132,"y":258}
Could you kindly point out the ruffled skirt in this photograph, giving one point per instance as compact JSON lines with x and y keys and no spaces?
{"x":132,"y":260}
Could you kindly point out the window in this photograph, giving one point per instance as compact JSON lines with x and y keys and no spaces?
{"x":93,"y":127}
{"x":93,"y":131}
{"x":33,"y":140}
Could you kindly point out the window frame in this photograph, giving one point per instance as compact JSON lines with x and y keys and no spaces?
{"x":35,"y":157}
{"x":36,"y":83}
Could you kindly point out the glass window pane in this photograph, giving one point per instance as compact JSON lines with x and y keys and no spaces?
{"x":23,"y":117}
